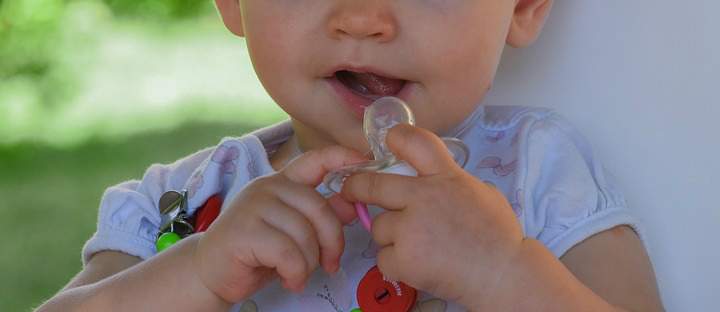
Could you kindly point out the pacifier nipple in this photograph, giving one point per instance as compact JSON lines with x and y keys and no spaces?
{"x":379,"y":117}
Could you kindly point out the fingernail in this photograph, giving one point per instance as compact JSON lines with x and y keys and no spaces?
{"x":333,"y":269}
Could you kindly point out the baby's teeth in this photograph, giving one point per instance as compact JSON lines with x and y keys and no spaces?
{"x":359,"y":87}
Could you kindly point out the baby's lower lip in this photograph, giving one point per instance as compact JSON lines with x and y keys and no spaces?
{"x":357,"y":103}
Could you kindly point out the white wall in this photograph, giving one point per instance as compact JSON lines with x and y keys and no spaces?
{"x":640,"y":79}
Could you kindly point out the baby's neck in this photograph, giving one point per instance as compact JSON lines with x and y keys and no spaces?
{"x":305,"y":139}
{"x":286,"y":152}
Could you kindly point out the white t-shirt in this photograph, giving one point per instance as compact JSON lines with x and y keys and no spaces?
{"x":559,"y":192}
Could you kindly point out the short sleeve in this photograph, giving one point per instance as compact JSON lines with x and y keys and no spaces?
{"x":568,"y":194}
{"x":129,"y":219}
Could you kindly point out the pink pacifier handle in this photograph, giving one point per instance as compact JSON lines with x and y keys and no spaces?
{"x":363,"y":215}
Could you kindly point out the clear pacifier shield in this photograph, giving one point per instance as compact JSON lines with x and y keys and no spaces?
{"x":379,"y":117}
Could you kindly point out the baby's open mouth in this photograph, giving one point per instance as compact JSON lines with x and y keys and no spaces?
{"x":370,"y":85}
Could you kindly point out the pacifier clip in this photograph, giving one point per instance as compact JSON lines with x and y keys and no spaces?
{"x":173,"y":208}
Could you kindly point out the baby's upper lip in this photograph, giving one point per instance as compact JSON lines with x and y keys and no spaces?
{"x":360,"y":69}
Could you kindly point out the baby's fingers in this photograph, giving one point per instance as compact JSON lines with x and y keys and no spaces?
{"x":321,"y":220}
{"x":279,"y":251}
{"x":422,"y":149}
{"x":389,"y":191}
{"x":388,"y":264}
{"x":294,"y":224}
{"x":310,"y":167}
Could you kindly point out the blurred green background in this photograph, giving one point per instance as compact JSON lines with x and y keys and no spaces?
{"x":91,"y":93}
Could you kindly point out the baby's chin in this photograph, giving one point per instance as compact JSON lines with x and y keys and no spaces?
{"x":354,"y":140}
{"x":326,"y":134}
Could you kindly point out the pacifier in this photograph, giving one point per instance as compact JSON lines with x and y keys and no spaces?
{"x":379,"y":117}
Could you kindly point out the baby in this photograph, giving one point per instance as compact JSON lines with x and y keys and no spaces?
{"x":530,"y":223}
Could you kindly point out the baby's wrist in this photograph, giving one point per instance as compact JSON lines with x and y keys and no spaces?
{"x":166,"y":282}
{"x":195,"y":269}
{"x":519,"y":274}
{"x":484,"y":296}
{"x":533,"y":267}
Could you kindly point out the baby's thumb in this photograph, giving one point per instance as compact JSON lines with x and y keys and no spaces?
{"x":422,"y":149}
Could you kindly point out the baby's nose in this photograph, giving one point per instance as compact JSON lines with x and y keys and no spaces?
{"x":362,"y":19}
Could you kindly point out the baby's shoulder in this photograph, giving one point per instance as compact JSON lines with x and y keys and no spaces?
{"x":508,"y":117}
{"x":245,"y":157}
{"x":229,"y":149}
{"x":518,"y":129}
{"x":129,"y":217}
{"x":548,"y":171}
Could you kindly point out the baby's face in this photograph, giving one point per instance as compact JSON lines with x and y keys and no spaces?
{"x":323,"y":61}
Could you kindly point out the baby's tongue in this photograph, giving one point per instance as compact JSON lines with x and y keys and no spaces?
{"x":378,"y":85}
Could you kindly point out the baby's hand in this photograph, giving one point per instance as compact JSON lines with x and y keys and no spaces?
{"x":445,"y":231}
{"x":277,"y":226}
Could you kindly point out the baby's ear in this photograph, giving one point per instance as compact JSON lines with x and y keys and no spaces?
{"x":230,"y":12}
{"x":528,"y":21}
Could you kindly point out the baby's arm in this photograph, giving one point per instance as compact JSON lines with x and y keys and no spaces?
{"x":614,"y":265}
{"x":165,"y":282}
{"x":607,"y":272}
{"x":102,"y":265}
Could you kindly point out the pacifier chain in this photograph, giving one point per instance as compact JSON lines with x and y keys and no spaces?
{"x":375,"y":292}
